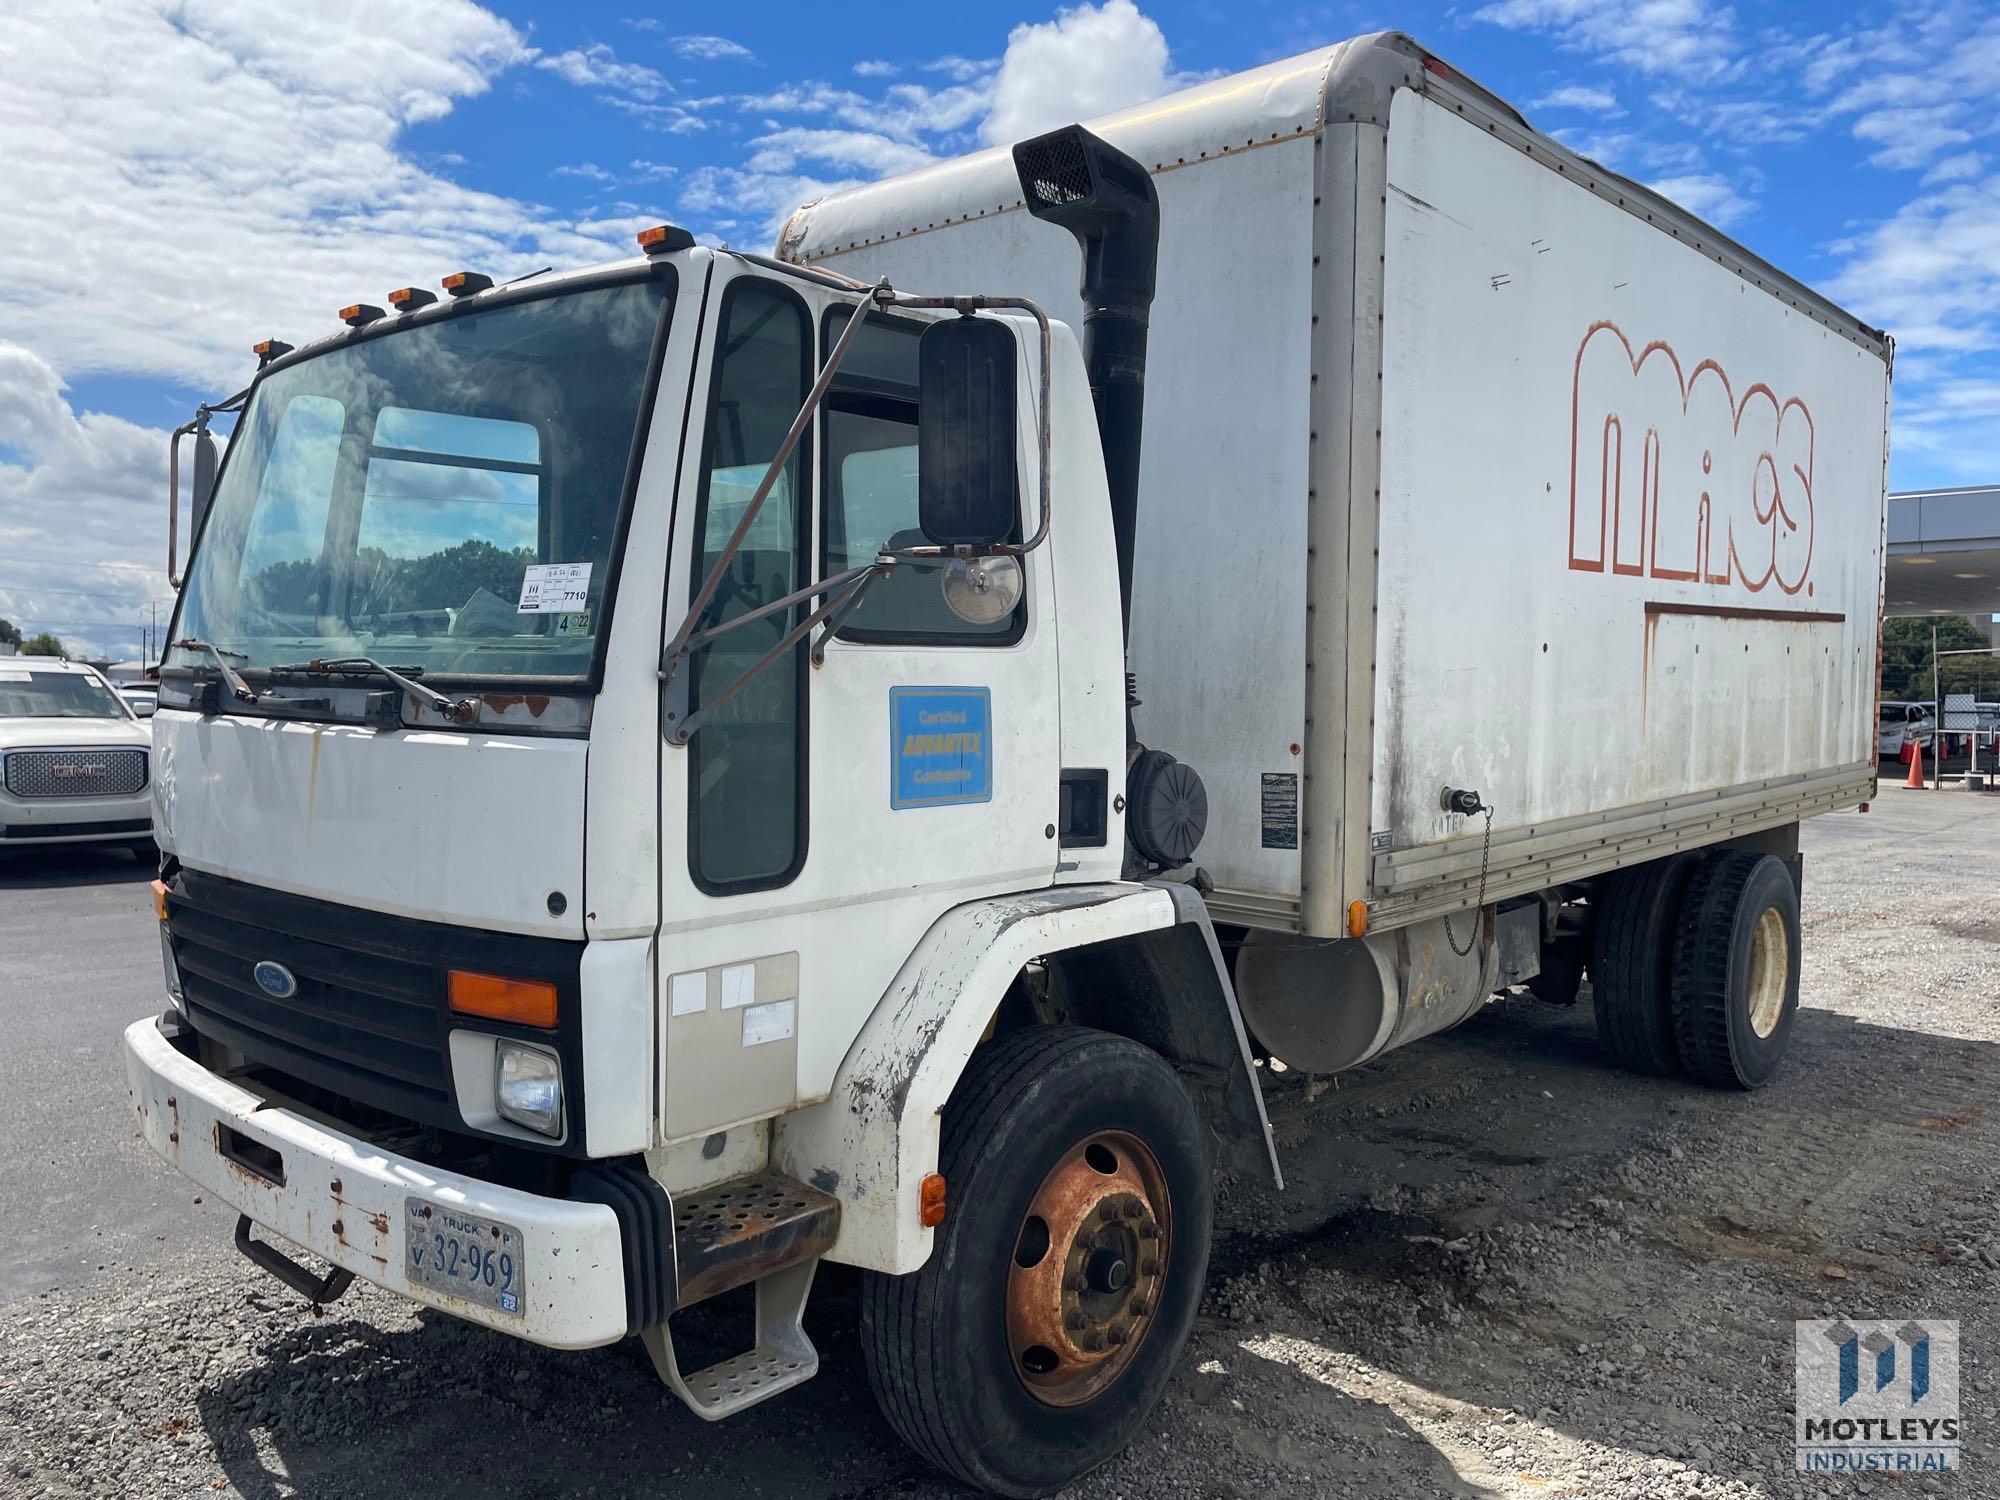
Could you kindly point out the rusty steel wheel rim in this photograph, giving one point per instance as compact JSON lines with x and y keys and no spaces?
{"x":1089,"y":1267}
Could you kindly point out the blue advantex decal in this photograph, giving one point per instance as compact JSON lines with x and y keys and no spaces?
{"x":941,"y":746}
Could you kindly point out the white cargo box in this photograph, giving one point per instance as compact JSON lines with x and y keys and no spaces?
{"x":1467,"y":463}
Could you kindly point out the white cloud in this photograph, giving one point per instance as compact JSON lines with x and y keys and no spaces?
{"x":1706,"y":195}
{"x":1956,"y":168}
{"x":862,"y":150}
{"x":589,"y":171}
{"x":1657,"y":37}
{"x":875,"y":67}
{"x":1595,"y":101}
{"x":1087,"y":61}
{"x":79,"y":514}
{"x":1910,"y":137}
{"x":597,"y":66}
{"x":1930,"y":273}
{"x":711,"y":48}
{"x":961,"y":69}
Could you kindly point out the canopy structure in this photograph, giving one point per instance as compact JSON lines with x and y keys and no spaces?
{"x":1944,"y":552}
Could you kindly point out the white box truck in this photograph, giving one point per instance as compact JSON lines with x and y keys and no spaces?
{"x":678,"y":771}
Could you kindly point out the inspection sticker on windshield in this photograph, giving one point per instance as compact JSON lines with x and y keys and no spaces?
{"x":554,"y":589}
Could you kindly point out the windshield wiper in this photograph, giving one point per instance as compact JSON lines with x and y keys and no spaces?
{"x":459,"y":711}
{"x":237,"y":686}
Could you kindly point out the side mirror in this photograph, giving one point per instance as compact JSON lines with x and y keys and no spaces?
{"x":143,"y":707}
{"x":968,"y":488}
{"x":206,"y":461}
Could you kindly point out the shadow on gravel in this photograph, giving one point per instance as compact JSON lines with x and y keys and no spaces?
{"x":1502,"y":1221}
{"x":84,"y":864}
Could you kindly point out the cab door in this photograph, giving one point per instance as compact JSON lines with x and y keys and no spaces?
{"x":829,"y":813}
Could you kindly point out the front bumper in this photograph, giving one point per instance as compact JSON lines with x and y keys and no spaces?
{"x":342,"y":1199}
{"x":70,"y":820}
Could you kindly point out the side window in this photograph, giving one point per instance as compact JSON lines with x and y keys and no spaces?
{"x":747,"y":791}
{"x":870,"y":491}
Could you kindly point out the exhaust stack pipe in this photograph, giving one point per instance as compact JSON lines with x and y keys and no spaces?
{"x":1099,"y":194}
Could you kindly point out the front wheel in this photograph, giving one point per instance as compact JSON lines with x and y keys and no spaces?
{"x":1062,"y":1284}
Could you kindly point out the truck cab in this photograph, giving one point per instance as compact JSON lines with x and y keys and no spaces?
{"x":599,"y":822}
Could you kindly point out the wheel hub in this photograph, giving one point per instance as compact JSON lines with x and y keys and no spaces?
{"x":1090,"y":1263}
{"x":1770,"y":971}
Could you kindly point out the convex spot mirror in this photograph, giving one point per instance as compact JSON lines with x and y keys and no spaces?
{"x":967,"y":484}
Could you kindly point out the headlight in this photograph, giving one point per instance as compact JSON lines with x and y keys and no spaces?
{"x":528,"y":1087}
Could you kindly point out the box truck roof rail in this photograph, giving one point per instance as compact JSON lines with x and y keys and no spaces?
{"x":1226,"y":117}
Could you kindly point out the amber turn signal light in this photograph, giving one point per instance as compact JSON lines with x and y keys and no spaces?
{"x":465,"y":283}
{"x":160,"y":899}
{"x":1357,"y":919}
{"x":530,"y":1002}
{"x":930,"y":1200}
{"x":410,"y":298}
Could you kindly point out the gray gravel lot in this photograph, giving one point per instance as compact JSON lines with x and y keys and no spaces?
{"x":1500,"y":1269}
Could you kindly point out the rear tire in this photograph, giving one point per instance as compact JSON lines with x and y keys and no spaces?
{"x":1736,"y":970}
{"x":1631,"y":968}
{"x":1092,"y":1138}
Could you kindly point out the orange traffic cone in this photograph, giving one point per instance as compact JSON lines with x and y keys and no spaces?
{"x":1915,"y":779}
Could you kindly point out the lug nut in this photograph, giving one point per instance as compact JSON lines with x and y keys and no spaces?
{"x":1074,"y":1320}
{"x":1140,"y":1307}
{"x":1078,"y":1283}
{"x":1149,"y":1230}
{"x":1152,"y":1266}
{"x":1094,"y":1342}
{"x":1107,"y":1210}
{"x":1116,"y":1336}
{"x":1132,"y":1208}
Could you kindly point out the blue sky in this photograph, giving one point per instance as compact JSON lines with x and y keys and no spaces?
{"x":186,"y":176}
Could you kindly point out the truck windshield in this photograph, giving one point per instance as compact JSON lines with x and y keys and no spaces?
{"x":444,"y":497}
{"x":55,"y":695}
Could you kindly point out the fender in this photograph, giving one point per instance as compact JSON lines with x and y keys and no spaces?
{"x":875,"y":1137}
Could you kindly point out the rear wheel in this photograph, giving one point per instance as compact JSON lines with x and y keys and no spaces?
{"x":1736,"y":970}
{"x":1062,"y":1284}
{"x":1631,"y":969}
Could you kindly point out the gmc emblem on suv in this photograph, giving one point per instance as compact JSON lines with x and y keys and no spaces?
{"x":82,"y":771}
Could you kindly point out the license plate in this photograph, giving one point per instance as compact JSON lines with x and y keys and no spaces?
{"x":463,"y":1255}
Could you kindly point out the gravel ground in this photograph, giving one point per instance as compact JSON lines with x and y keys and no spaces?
{"x":1500,"y":1269}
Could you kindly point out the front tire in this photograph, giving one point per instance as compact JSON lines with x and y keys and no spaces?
{"x":1736,"y":970}
{"x":1063,"y":1282}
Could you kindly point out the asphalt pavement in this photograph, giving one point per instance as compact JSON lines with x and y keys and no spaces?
{"x":79,"y":961}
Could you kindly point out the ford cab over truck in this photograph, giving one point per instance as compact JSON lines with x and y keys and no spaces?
{"x":677,"y":772}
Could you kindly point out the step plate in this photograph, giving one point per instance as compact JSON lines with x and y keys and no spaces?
{"x":744,"y":1229}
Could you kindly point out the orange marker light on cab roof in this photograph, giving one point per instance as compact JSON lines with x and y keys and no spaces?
{"x":663,"y":238}
{"x":410,"y":298}
{"x":359,"y":313}
{"x":465,"y":283}
{"x":267,"y":350}
{"x":530,"y":1002}
{"x":930,"y":1200}
{"x":1357,"y":919}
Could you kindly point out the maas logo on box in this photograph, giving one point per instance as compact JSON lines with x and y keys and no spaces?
{"x":1877,"y":1396}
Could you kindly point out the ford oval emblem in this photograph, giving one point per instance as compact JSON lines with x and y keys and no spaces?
{"x":275,"y":980}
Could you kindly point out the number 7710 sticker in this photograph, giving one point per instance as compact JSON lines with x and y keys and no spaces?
{"x":554,"y":588}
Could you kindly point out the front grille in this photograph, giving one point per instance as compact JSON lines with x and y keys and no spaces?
{"x":75,"y":773}
{"x":368,"y":1020}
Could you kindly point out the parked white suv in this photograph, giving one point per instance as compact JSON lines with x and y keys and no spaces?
{"x":75,"y":763}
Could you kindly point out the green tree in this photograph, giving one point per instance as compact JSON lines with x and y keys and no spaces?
{"x":10,"y":633}
{"x":43,"y":645}
{"x":1906,"y":658}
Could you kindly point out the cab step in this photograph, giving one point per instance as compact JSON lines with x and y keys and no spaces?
{"x":739,"y":1231}
{"x":767,"y":1229}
